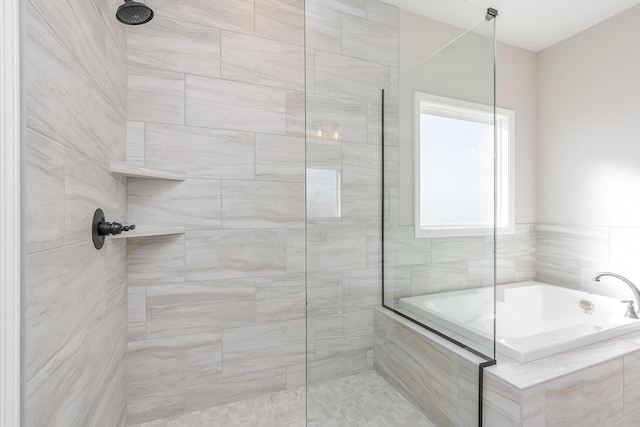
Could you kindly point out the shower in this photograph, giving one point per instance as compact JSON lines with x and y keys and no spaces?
{"x":134,"y":13}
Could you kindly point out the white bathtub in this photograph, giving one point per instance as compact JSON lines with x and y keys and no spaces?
{"x":534,"y":319}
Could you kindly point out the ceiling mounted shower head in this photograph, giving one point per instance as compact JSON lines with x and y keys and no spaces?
{"x":134,"y":13}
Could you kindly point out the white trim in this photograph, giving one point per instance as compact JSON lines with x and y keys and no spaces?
{"x":459,"y":109}
{"x":10,"y":245}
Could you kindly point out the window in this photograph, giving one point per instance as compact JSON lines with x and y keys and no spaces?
{"x":455,"y":170}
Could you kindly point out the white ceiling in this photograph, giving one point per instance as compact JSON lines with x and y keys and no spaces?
{"x":530,"y":24}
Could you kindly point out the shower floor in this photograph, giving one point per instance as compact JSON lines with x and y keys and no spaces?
{"x":364,"y":399}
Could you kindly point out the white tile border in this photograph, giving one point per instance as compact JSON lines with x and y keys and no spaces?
{"x":10,"y":226}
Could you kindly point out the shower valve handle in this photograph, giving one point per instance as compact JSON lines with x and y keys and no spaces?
{"x":113,"y":228}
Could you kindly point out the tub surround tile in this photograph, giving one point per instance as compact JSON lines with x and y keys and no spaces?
{"x":251,"y":59}
{"x":200,"y":152}
{"x":155,"y":96}
{"x":624,"y":246}
{"x":280,"y":20}
{"x":631,"y":383}
{"x":558,"y":271}
{"x":593,"y":354}
{"x":179,"y":46}
{"x":441,"y":277}
{"x":233,"y":16}
{"x":457,"y":249}
{"x":575,"y":242}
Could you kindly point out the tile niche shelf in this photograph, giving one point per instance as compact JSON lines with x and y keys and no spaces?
{"x":149,"y":230}
{"x":132,"y":170}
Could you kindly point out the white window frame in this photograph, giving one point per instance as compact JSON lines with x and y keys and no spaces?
{"x":10,"y":201}
{"x":458,"y":109}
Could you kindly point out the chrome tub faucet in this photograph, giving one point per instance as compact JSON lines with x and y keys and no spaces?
{"x":631,"y":311}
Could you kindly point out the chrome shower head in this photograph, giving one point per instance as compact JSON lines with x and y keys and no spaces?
{"x":134,"y":13}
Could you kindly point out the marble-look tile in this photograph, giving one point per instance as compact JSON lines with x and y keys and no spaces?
{"x":588,"y":397}
{"x":156,"y":260}
{"x":558,"y":271}
{"x":155,"y":96}
{"x":607,"y":285}
{"x":361,"y":164}
{"x":323,"y":30}
{"x":517,"y":244}
{"x":166,"y":364}
{"x":457,"y":249}
{"x":324,"y":293}
{"x":374,"y":130}
{"x":296,"y":250}
{"x":64,"y":290}
{"x":201,"y":307}
{"x":233,"y":16}
{"x":281,"y":20}
{"x":343,"y":334}
{"x":481,"y":272}
{"x":275,"y":345}
{"x":336,"y":248}
{"x":402,"y":248}
{"x":573,"y":242}
{"x":135,"y":142}
{"x":502,"y":398}
{"x":323,"y":155}
{"x":296,"y":113}
{"x":229,"y":254}
{"x":382,"y":12}
{"x":441,"y":277}
{"x":397,"y":284}
{"x":155,"y":406}
{"x":346,"y":77}
{"x":201,"y":153}
{"x":263,"y":62}
{"x":631,"y":383}
{"x":173,"y":45}
{"x":360,"y":205}
{"x":280,"y":298}
{"x":115,"y":291}
{"x":374,"y":248}
{"x":525,"y":268}
{"x":137,"y":313}
{"x":194,"y":202}
{"x":524,"y":375}
{"x":369,"y":40}
{"x":232,"y":105}
{"x":254,"y":204}
{"x":335,"y":118}
{"x":235,"y":388}
{"x":336,"y":367}
{"x":351,"y":7}
{"x":280,"y":158}
{"x":534,"y":407}
{"x":310,"y":70}
{"x":625,"y":242}
{"x":297,"y":376}
{"x":44,"y":216}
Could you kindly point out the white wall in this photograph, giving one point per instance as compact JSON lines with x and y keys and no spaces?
{"x":588,"y":160}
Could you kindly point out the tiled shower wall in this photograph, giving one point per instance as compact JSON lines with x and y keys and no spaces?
{"x":75,"y":310}
{"x":216,"y":89}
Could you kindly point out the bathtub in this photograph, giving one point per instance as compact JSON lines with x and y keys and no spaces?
{"x":534,"y":319}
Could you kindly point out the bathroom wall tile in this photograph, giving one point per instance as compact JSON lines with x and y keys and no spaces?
{"x":63,"y":291}
{"x":201,"y":153}
{"x":254,"y":204}
{"x":165,"y":364}
{"x":335,"y":118}
{"x":558,"y":271}
{"x":280,"y":298}
{"x":225,"y":104}
{"x":174,"y":45}
{"x":281,"y":20}
{"x":534,"y":407}
{"x":609,"y":286}
{"x":202,"y":307}
{"x":115,"y":291}
{"x":135,"y":142}
{"x":525,"y":375}
{"x":155,"y":406}
{"x":382,"y":12}
{"x":361,"y":164}
{"x":297,"y":376}
{"x":194,"y":202}
{"x":324,"y":293}
{"x":590,"y":355}
{"x":374,"y":248}
{"x":275,"y":345}
{"x":296,"y":107}
{"x":397,"y":284}
{"x":280,"y":158}
{"x":137,"y":313}
{"x":360,"y":205}
{"x":369,"y":40}
{"x":441,"y":277}
{"x":346,"y":77}
{"x":573,"y":242}
{"x":155,"y":96}
{"x":467,"y":391}
{"x":631,"y":390}
{"x":323,"y":155}
{"x":228,"y":254}
{"x":625,"y":242}
{"x":233,"y":389}
{"x":310,"y":70}
{"x":88,"y":185}
{"x":374,"y":127}
{"x":343,"y":334}
{"x":323,"y":29}
{"x":457,"y":249}
{"x":516,"y":244}
{"x":232,"y":16}
{"x":325,"y":369}
{"x":481,"y":273}
{"x":260,"y":61}
{"x":525,"y":268}
{"x":156,"y":260}
{"x":45,"y":193}
{"x":402,"y":248}
{"x":333,"y":248}
{"x":588,"y":397}
{"x":352,"y":7}
{"x":296,"y":246}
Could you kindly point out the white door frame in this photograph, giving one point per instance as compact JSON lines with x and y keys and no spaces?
{"x":10,"y":201}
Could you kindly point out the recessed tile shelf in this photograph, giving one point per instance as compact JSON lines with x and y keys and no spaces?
{"x":140,"y":171}
{"x":148,"y":230}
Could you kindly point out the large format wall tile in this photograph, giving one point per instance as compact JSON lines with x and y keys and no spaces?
{"x":342,"y":119}
{"x":233,"y":16}
{"x":573,"y":242}
{"x":280,"y":298}
{"x":156,"y":260}
{"x":226,"y":104}
{"x":382,"y":12}
{"x":201,"y":153}
{"x":359,"y":35}
{"x":260,"y":61}
{"x":323,"y":30}
{"x":177,"y":46}
{"x":227,"y":254}
{"x":155,"y":96}
{"x":281,"y":20}
{"x":280,"y":158}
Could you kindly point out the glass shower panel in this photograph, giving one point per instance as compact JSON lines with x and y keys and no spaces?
{"x":439,"y":181}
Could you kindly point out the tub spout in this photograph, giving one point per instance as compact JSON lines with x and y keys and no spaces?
{"x":636,"y":293}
